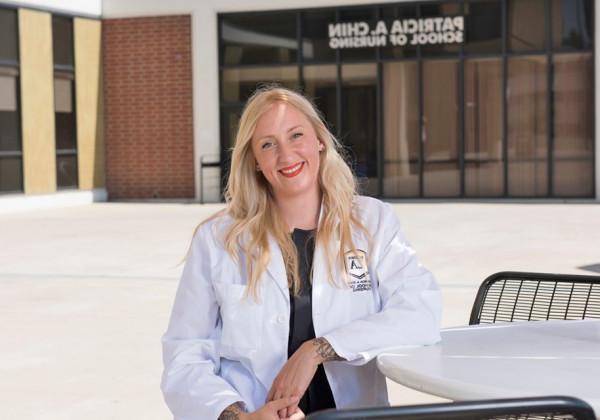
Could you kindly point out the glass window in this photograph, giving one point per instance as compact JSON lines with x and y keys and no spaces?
{"x":66,"y":138}
{"x":527,"y":104}
{"x":230,"y":118}
{"x":64,"y":115}
{"x":483,"y":26}
{"x":573,"y":125}
{"x":398,"y":45}
{"x":401,"y":130}
{"x":315,"y":33}
{"x":572,"y":23}
{"x":62,"y":41}
{"x":433,"y":10}
{"x":357,"y":16}
{"x":526,"y":25}
{"x":440,"y":128}
{"x":359,"y":122}
{"x":484,"y":169}
{"x":239,"y":84}
{"x":320,"y":85}
{"x":259,"y":38}
{"x":11,"y":174}
{"x":10,"y":138}
{"x":66,"y":171}
{"x":8,"y":35}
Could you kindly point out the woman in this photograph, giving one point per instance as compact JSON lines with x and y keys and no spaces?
{"x":289,"y":294}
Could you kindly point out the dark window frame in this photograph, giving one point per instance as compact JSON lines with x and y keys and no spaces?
{"x":13,"y":67}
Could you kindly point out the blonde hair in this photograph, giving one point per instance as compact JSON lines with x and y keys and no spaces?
{"x":251,"y":205}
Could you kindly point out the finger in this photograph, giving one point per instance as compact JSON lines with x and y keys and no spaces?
{"x":281,"y":403}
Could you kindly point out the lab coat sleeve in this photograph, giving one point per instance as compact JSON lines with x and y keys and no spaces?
{"x":191,"y":384}
{"x":410,"y":310}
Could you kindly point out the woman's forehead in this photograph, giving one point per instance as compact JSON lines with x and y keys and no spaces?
{"x":280,"y":116}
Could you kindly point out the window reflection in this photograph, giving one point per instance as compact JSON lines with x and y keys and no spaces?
{"x":66,"y":138}
{"x":259,"y":38}
{"x":359,"y":118}
{"x":526,"y":25}
{"x":400,"y":12}
{"x":484,"y":169}
{"x":320,"y":85}
{"x":483,"y":26}
{"x":430,"y":79}
{"x":366,"y":14}
{"x":11,"y":174}
{"x":441,"y":175}
{"x":62,"y":41}
{"x":315,"y":31}
{"x":436,"y":10}
{"x":571,"y":23}
{"x":9,"y":116}
{"x":527,"y":105}
{"x":573,"y":125}
{"x":401,"y":130}
{"x":239,"y":84}
{"x":8,"y":35}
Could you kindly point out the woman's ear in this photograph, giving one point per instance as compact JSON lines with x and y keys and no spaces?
{"x":321,"y":146}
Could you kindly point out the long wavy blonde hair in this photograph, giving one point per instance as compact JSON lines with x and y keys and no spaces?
{"x":251,"y":204}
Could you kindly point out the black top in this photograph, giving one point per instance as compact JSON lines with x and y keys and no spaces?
{"x":318,"y":396}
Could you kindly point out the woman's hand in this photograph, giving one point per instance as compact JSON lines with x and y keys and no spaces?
{"x":295,"y":376}
{"x":269,"y":410}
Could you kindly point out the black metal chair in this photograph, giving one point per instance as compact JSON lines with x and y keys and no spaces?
{"x":537,"y":408}
{"x":517,"y":296}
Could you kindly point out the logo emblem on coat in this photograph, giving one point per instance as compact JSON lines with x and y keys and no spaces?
{"x":357,"y":270}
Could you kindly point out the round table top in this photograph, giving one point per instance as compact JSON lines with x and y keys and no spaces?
{"x":504,"y":360}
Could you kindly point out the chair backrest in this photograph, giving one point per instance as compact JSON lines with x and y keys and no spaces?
{"x":516,"y":296}
{"x":555,"y":408}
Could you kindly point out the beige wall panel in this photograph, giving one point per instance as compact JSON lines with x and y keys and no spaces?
{"x":89,"y":102}
{"x":37,"y":101}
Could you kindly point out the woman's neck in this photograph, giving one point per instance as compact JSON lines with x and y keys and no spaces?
{"x":300,"y":212}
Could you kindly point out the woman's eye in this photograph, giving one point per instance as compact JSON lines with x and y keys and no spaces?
{"x":297,"y":135}
{"x":266,"y":145}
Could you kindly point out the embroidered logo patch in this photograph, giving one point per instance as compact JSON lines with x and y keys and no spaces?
{"x":358,"y":273}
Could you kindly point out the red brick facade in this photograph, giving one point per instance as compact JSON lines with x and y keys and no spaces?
{"x":148,"y":107}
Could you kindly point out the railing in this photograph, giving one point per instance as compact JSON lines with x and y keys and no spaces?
{"x":207,"y":161}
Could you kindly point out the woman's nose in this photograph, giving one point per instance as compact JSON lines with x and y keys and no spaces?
{"x":285,"y":151}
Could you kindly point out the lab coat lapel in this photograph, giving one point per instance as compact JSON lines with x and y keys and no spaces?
{"x":276,"y":267}
{"x":321,"y":286}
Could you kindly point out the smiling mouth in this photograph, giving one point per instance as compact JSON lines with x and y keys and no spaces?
{"x":292,"y":171}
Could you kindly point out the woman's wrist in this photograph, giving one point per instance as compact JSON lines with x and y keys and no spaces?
{"x":323,"y":350}
{"x":234,"y":411}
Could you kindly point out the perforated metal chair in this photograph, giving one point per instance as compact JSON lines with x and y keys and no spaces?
{"x":517,"y":296}
{"x":555,"y":408}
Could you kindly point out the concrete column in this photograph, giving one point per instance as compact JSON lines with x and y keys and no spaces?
{"x":89,"y":102}
{"x":37,"y":101}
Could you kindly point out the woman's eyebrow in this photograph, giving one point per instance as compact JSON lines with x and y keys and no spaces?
{"x":294,"y":127}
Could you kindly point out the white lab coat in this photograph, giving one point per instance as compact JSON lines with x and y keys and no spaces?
{"x":221,"y":348}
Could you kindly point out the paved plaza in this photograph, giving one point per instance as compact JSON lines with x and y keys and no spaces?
{"x":86,"y":291}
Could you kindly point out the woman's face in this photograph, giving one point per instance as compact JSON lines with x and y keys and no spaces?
{"x":286,"y":149}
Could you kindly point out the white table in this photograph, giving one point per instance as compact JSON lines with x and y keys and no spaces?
{"x":504,"y":360}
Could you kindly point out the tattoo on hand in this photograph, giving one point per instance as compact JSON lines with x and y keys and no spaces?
{"x":232,"y":412}
{"x":324,"y":349}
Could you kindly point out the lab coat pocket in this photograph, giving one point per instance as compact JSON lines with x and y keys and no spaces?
{"x":241,"y":318}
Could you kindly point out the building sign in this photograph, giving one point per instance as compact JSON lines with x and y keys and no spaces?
{"x":423,"y":31}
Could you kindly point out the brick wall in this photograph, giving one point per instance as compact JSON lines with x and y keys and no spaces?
{"x":148,"y":107}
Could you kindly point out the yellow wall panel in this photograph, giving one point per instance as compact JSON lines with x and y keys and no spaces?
{"x":88,"y":93}
{"x":37,"y":101}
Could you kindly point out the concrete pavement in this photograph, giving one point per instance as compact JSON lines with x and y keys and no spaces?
{"x":86,"y":291}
